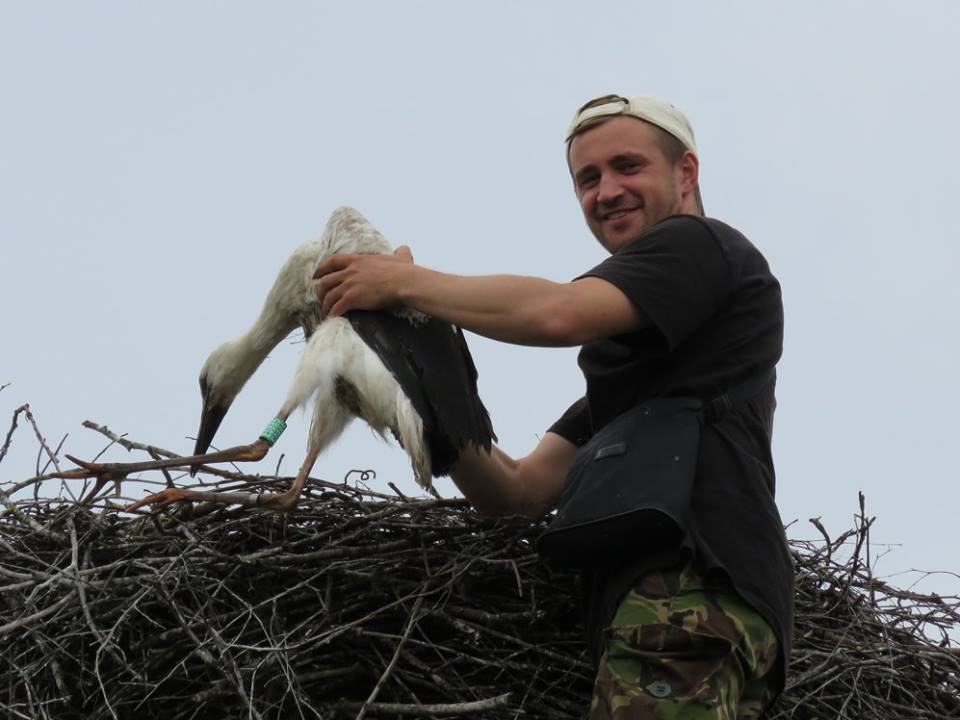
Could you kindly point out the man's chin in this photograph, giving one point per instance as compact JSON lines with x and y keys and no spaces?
{"x":615,"y":238}
{"x":613,"y":241}
{"x":623,"y":232}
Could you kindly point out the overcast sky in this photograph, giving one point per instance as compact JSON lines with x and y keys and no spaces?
{"x":159,"y":162}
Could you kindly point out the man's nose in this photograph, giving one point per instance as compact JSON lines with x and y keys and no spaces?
{"x":609,"y":192}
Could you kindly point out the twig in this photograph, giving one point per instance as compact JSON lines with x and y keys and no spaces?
{"x":39,"y":615}
{"x":13,"y":427}
{"x":414,"y":617}
{"x":41,"y":440}
{"x":464,"y":708}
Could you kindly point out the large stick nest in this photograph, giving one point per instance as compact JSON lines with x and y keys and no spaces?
{"x":364,"y":605}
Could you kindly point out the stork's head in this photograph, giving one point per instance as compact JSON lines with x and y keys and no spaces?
{"x":224,"y":374}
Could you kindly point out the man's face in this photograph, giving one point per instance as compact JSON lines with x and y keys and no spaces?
{"x":623,"y":181}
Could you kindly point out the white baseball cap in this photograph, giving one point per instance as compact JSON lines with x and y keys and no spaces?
{"x":655,"y":111}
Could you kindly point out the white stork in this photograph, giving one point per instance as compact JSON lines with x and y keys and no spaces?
{"x":400,"y":371}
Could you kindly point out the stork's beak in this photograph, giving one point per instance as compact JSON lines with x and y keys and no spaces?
{"x":210,"y":418}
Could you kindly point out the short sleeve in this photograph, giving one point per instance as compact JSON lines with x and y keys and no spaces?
{"x":676,"y":274}
{"x":574,"y":425}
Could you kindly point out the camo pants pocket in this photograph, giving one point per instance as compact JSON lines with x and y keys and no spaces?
{"x":679,"y":651}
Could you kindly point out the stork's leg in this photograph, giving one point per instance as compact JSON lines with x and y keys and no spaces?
{"x":242,"y":453}
{"x":329,"y":419}
{"x":287,"y":501}
{"x":281,"y":502}
{"x":118,"y":471}
{"x":318,"y":374}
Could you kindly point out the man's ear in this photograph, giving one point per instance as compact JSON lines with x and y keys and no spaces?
{"x":689,"y":172}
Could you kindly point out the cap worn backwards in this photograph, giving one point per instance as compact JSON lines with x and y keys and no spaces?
{"x":653,"y":110}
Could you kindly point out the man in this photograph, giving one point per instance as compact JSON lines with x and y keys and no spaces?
{"x":684,"y":306}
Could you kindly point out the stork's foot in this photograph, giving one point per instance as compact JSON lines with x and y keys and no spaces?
{"x":164,"y":498}
{"x":101,"y":473}
{"x":279,"y":502}
{"x":105,"y":471}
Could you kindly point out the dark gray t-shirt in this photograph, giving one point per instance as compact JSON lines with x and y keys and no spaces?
{"x":717,"y":321}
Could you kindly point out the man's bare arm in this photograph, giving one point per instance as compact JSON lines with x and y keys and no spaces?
{"x":496,"y":484}
{"x":511,"y":308}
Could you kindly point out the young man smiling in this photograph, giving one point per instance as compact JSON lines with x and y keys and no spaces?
{"x":684,"y":306}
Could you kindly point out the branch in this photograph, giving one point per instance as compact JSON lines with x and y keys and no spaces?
{"x":414,"y":617}
{"x":464,"y":708}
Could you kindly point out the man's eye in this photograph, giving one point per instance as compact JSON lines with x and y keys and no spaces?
{"x":589,"y":180}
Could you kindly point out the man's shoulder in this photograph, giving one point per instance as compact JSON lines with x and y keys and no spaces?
{"x":722,"y":231}
{"x":676,"y":233}
{"x":701,"y":227}
{"x":686,"y":222}
{"x":694,"y":235}
{"x":734,"y":243}
{"x":746,"y":263}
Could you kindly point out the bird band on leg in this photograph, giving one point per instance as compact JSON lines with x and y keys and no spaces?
{"x":273,"y":431}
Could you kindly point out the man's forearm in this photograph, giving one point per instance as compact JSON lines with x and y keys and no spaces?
{"x":511,"y":308}
{"x":489,"y":481}
{"x":496,"y":484}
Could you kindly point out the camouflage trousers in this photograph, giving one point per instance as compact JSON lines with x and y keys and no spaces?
{"x":677,"y":650}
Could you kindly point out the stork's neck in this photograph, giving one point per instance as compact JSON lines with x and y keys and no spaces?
{"x":265,"y":334}
{"x":240,"y":358}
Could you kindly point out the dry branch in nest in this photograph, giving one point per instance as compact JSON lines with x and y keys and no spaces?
{"x":364,"y":605}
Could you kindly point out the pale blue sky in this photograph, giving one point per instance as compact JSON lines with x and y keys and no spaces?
{"x":158,"y":163}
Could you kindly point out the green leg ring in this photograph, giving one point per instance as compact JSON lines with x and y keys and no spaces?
{"x":273,"y":431}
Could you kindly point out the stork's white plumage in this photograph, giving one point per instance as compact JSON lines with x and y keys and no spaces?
{"x":336,"y":360}
{"x":291,"y":302}
{"x":400,"y":371}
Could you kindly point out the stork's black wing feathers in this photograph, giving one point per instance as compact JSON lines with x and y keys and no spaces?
{"x":432,"y":363}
